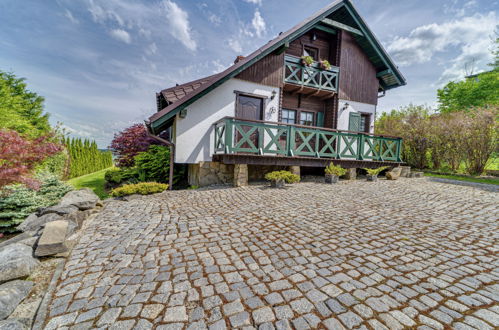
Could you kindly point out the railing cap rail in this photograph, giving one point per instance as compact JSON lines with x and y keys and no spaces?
{"x":295,"y":59}
{"x":303,"y":126}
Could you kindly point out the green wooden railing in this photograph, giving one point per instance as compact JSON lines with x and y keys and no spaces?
{"x":233,"y":136}
{"x":310,"y":76}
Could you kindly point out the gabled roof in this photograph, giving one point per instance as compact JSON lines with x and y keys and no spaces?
{"x":176,"y":93}
{"x":341,"y":11}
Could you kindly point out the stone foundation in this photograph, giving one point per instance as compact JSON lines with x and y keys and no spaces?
{"x":240,"y":175}
{"x":295,"y":170}
{"x":210,"y":173}
{"x":351,"y":174}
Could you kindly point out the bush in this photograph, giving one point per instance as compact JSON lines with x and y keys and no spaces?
{"x":121,"y":175}
{"x":129,"y":142}
{"x":19,"y":201}
{"x":20,"y":156}
{"x":143,"y":188}
{"x":286,"y":176}
{"x":154,"y":164}
{"x":375,"y":171}
{"x":335,"y":170}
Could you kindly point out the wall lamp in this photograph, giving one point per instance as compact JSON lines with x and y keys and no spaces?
{"x":183,"y":113}
{"x":345,"y":106}
{"x":274,"y":93}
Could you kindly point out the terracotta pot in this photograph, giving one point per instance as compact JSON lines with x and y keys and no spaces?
{"x":331,"y":178}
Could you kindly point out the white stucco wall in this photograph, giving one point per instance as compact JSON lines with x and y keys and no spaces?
{"x":344,"y":114}
{"x":194,"y":134}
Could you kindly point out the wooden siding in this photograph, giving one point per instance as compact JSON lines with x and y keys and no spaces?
{"x":358,"y":80}
{"x":322,"y":43}
{"x":298,"y":102}
{"x":268,"y":71}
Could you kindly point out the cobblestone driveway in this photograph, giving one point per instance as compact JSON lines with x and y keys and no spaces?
{"x":394,"y":254}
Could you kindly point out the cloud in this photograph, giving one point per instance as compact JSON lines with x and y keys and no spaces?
{"x":214,"y":19}
{"x":121,"y":35}
{"x":178,"y":22}
{"x":255,"y":2}
{"x":235,"y":45}
{"x":258,"y":24}
{"x":70,"y":16}
{"x":152,"y":49}
{"x":469,"y":37}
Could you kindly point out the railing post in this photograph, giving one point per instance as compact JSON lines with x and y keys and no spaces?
{"x":360,"y":147}
{"x":317,"y":136}
{"x":399,"y":149}
{"x":229,"y":135}
{"x":291,"y":141}
{"x":338,"y":145}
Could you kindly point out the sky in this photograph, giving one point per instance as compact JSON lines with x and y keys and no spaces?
{"x":99,"y":63}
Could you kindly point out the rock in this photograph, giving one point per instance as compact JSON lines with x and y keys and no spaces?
{"x":53,"y":238}
{"x":83,"y":199}
{"x":417,"y":174}
{"x":394,"y":174}
{"x":14,"y":324}
{"x":406,"y":171}
{"x":34,"y":223}
{"x":16,"y":261}
{"x":26,"y":310}
{"x":80,"y":216}
{"x":31,"y":241}
{"x":59,"y":209}
{"x":16,"y":239}
{"x":11,"y":295}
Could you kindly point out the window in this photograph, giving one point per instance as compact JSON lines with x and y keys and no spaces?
{"x":288,"y":116}
{"x":306,"y":118}
{"x":365,"y":122}
{"x":312,"y":52}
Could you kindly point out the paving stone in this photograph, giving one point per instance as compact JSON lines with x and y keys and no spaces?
{"x":263,"y":315}
{"x":333,"y":324}
{"x":350,"y":319}
{"x":109,"y":316}
{"x":300,"y":253}
{"x":175,"y":314}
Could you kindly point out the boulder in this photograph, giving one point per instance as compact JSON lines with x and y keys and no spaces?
{"x":35,"y":222}
{"x":59,"y":209}
{"x":417,"y":174}
{"x":406,"y":171}
{"x":16,"y":239}
{"x":11,"y":295}
{"x":394,"y":174}
{"x":16,"y":261}
{"x":53,"y":239}
{"x":13,"y":324}
{"x":83,"y":199}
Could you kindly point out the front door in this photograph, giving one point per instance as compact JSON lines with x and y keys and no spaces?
{"x":249,"y":108}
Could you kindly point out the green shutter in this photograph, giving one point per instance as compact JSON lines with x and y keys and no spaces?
{"x":354,"y":122}
{"x":320,"y":119}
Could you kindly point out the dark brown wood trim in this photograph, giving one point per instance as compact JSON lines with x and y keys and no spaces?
{"x":251,"y":94}
{"x":303,"y":45}
{"x":297,"y":161}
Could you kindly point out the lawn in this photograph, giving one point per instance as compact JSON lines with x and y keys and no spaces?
{"x":94,"y":181}
{"x":465,"y":178}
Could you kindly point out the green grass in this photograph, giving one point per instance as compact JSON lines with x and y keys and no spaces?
{"x":493,"y":165}
{"x":94,"y":181}
{"x":465,"y":178}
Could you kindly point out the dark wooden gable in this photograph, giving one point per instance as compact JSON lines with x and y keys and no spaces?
{"x":267,"y":71}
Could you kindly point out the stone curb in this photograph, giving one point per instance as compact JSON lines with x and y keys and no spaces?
{"x":41,"y":313}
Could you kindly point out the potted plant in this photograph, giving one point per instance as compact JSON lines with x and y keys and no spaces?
{"x":279,"y":178}
{"x":307,"y":60}
{"x":325,"y":65}
{"x":372,"y":174}
{"x":333,"y":172}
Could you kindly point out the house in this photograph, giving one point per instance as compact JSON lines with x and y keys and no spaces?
{"x":272,"y":109}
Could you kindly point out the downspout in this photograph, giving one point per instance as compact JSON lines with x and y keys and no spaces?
{"x":171,"y":145}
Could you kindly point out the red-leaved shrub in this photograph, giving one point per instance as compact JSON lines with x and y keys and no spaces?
{"x":19,"y":156}
{"x":129,"y":142}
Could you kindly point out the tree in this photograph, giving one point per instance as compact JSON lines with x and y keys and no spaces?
{"x":19,"y":156}
{"x":20,"y":109}
{"x":129,"y":142}
{"x":495,"y":50}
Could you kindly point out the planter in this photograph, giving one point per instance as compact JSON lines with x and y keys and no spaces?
{"x":330,"y":178}
{"x":372,"y":178}
{"x":277,"y":183}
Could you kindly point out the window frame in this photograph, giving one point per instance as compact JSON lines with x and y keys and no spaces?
{"x":315,"y":49}
{"x":289,"y":110}
{"x":307,"y":113}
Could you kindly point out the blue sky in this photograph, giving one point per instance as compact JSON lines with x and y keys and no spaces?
{"x":99,"y":63}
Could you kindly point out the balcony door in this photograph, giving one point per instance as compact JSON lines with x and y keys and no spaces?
{"x":248,"y":108}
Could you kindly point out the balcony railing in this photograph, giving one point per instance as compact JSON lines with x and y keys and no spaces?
{"x":310,"y":76}
{"x":233,"y":136}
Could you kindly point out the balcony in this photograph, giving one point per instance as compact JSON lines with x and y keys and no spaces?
{"x":235,"y":136}
{"x":310,"y":80}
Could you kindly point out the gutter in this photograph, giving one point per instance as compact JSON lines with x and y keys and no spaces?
{"x":172,"y":152}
